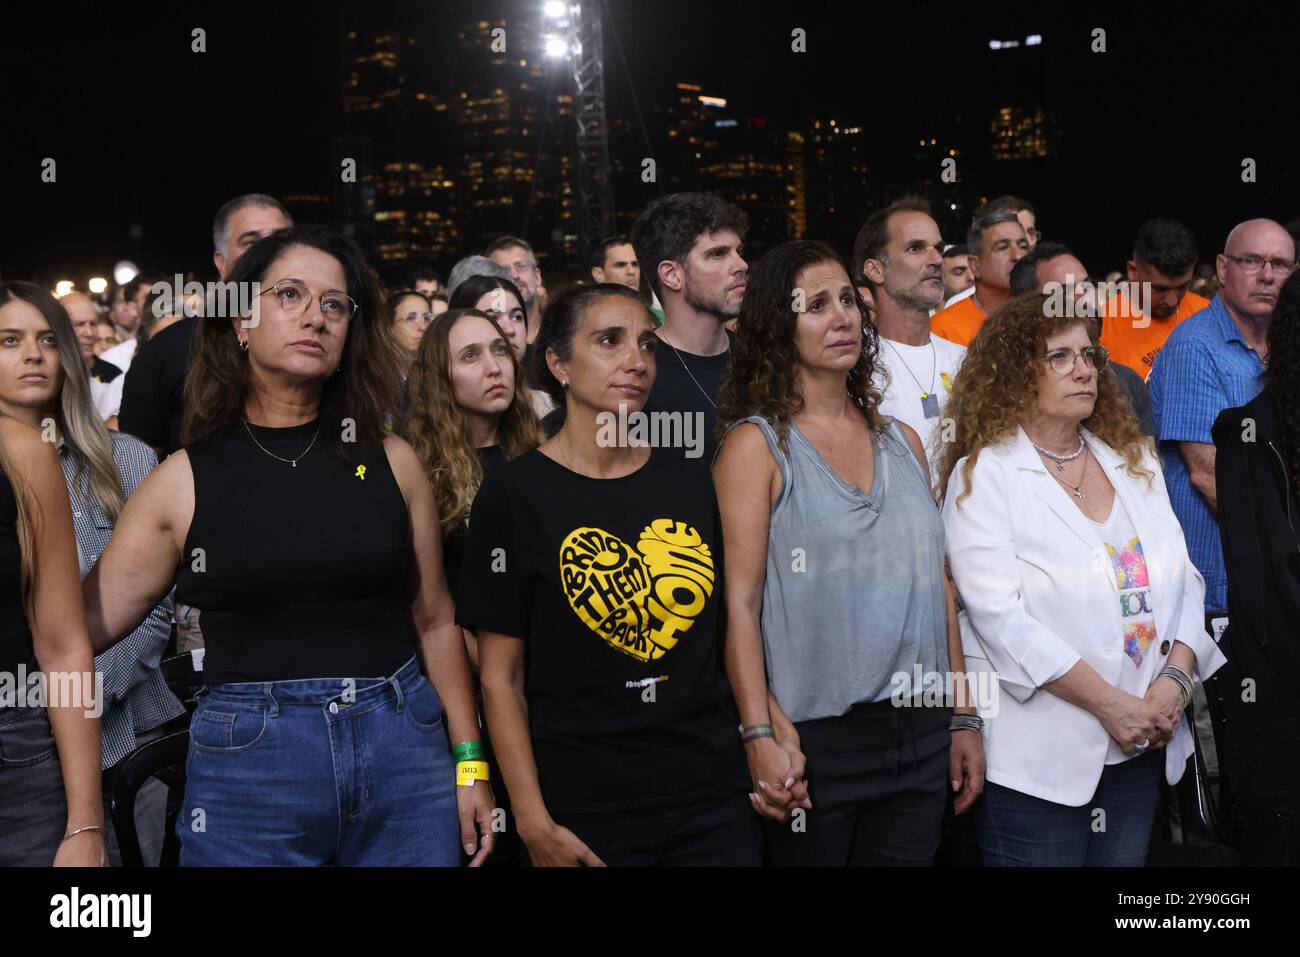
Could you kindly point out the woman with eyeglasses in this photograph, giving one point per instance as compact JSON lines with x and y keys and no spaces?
{"x":500,"y":299}
{"x":1078,"y":593}
{"x":412,"y":313}
{"x":310,"y":540}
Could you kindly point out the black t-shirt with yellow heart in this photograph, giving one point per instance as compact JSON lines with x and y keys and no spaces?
{"x":615,"y":586}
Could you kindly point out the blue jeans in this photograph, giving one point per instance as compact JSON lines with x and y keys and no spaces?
{"x":322,"y":771}
{"x":33,"y":804}
{"x":1016,"y":830}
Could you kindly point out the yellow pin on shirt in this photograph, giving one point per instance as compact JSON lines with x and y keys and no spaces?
{"x":361,"y":472}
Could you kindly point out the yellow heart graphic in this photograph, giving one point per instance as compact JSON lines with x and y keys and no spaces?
{"x":641,"y":601}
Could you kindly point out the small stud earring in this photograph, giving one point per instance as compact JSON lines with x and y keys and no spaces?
{"x":243,"y":344}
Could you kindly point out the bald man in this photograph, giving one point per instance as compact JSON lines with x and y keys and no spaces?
{"x":105,"y":378}
{"x":1213,"y":361}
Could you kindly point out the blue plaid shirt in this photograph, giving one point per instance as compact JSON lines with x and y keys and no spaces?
{"x":136,"y":696}
{"x":1204,"y":368}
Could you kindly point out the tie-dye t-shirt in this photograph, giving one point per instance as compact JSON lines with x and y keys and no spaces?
{"x":1137,"y":613}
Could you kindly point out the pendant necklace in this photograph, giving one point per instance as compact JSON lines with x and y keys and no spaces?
{"x":293,"y":462}
{"x":1060,"y":460}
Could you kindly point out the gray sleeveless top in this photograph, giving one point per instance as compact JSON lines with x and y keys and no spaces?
{"x":854,"y":589}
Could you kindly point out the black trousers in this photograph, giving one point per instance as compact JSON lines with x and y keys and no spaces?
{"x":1263,"y":766}
{"x":719,"y":833}
{"x":878,"y":780}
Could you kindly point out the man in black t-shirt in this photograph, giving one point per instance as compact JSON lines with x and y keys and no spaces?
{"x":153,"y":393}
{"x":689,"y":246}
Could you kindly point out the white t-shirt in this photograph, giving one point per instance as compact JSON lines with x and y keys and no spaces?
{"x":1135,"y":609}
{"x":121,"y":354}
{"x":106,"y":397}
{"x":912,"y":371}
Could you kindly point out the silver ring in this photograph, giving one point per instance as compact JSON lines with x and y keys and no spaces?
{"x":1146,"y":743}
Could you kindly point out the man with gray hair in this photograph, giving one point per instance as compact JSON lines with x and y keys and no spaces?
{"x":472,"y":266}
{"x":1213,"y":361}
{"x":997,"y":241}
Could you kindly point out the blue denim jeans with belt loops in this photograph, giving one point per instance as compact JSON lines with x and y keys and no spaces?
{"x":330,"y":771}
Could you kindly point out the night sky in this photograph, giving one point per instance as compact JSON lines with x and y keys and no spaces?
{"x":144,"y":130}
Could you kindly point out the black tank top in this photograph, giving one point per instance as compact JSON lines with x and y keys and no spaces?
{"x":15,"y":636}
{"x":300,"y":571}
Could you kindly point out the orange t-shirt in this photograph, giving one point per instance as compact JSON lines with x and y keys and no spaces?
{"x":1136,"y":346}
{"x":959,"y":322}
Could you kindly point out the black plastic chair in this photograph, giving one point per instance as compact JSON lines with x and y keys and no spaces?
{"x":184,"y":677}
{"x":164,"y":759}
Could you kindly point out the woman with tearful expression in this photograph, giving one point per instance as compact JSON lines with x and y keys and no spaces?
{"x":835,"y":582}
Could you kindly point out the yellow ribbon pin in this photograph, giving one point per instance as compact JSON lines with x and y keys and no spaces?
{"x":361,"y":472}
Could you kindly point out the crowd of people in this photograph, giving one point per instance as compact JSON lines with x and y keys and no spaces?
{"x":951,"y":543}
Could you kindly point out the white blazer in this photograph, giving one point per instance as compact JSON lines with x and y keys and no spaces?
{"x":1039,"y":592}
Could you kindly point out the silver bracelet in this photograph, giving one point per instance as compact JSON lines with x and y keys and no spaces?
{"x":88,"y":827}
{"x":966,"y":722}
{"x":1182,"y":678}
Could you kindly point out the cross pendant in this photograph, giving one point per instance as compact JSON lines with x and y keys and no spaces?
{"x":1060,"y":466}
{"x":1078,"y":493}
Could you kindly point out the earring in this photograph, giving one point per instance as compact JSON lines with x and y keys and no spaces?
{"x":564,"y":384}
{"x":243,"y":344}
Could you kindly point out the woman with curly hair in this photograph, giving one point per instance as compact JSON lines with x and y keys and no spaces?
{"x":1257,"y":473}
{"x":469,"y":416}
{"x":1078,"y":593}
{"x":836,"y":592}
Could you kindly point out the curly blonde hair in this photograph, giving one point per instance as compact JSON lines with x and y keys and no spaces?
{"x":998,"y":385}
{"x":438,"y":426}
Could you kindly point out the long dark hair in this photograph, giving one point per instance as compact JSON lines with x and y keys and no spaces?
{"x":469,"y":292}
{"x":367,"y":386}
{"x":1284,"y":372}
{"x":764,"y":357}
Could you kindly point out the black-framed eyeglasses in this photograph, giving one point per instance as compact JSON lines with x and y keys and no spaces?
{"x":1253,"y":264}
{"x":293,"y":297}
{"x":1063,"y":361}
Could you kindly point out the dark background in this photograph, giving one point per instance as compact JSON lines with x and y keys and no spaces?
{"x":146,"y":132}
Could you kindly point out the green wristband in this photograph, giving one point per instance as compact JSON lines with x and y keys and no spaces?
{"x":468,"y":751}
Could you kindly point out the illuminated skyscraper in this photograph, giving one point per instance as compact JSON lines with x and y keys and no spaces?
{"x":402,"y":206}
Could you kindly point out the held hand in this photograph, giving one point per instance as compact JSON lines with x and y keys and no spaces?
{"x":474,"y":807}
{"x":1132,"y":721}
{"x":86,"y":849}
{"x":798,"y":767}
{"x":1167,"y":695}
{"x":966,"y":768}
{"x":773,"y":778}
{"x":556,"y":846}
